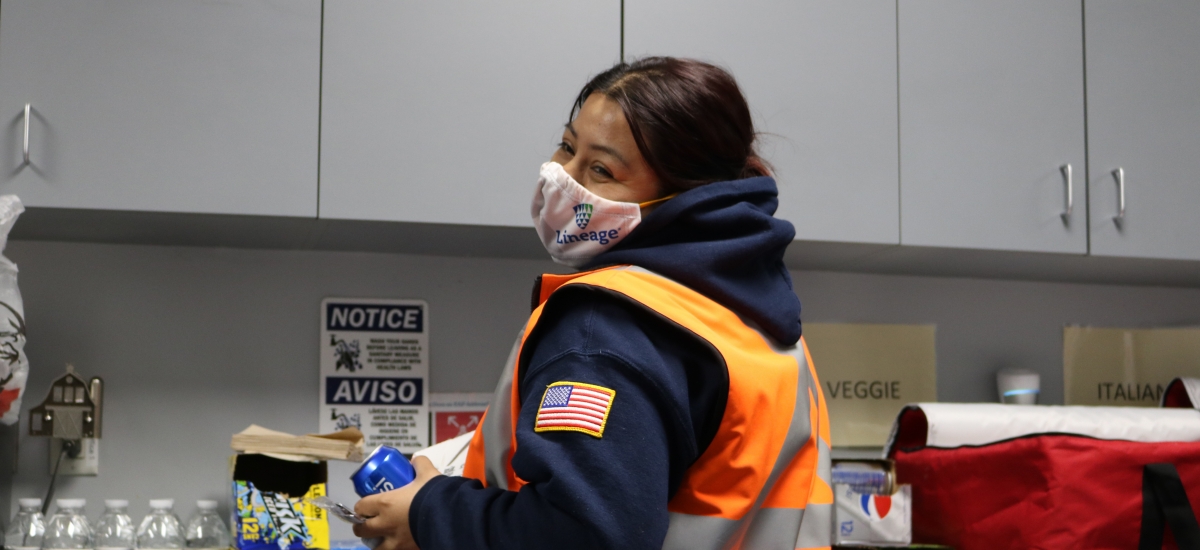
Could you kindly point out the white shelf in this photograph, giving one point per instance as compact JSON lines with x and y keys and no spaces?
{"x":274,"y":232}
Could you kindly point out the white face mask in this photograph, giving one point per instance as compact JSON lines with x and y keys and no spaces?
{"x":575,"y":224}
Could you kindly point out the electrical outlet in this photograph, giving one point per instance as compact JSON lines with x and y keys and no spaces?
{"x":86,"y":464}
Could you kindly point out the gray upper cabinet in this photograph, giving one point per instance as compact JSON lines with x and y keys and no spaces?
{"x":442,"y":112}
{"x":820,"y":78}
{"x":1143,"y":78}
{"x":181,"y":106}
{"x":991,"y":109}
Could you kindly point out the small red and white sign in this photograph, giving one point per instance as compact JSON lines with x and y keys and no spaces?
{"x":449,"y":425}
{"x":455,"y":414}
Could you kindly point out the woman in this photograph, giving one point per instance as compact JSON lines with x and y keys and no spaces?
{"x":661,"y":398}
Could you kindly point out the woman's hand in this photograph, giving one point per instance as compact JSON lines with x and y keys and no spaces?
{"x":387,"y":513}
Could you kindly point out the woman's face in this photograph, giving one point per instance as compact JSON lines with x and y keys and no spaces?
{"x":599,"y":151}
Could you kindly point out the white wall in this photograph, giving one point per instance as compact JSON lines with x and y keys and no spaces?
{"x":986,"y":325}
{"x":196,"y":343}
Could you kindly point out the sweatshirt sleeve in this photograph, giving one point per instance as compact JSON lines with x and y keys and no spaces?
{"x":583,"y":491}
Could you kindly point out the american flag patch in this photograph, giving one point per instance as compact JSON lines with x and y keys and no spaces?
{"x":574,"y":407}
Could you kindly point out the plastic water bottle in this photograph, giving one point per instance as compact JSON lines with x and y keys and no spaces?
{"x":68,"y":528}
{"x":114,"y":530}
{"x":205,"y":529}
{"x":160,"y":530}
{"x":27,"y":528}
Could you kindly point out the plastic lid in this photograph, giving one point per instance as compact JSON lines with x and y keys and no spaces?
{"x":206,"y":504}
{"x":116,"y":503}
{"x":28,"y":502}
{"x":70,"y":502}
{"x":162,"y":503}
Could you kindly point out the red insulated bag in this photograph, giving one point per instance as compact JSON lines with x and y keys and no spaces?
{"x":1038,"y":492}
{"x":994,"y":477}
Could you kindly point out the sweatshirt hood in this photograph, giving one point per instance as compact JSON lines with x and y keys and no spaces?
{"x":722,"y":240}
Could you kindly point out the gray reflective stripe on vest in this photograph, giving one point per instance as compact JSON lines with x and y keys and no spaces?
{"x":700,"y":532}
{"x":774,"y":529}
{"x":817,"y":529}
{"x":824,"y":464}
{"x":759,"y":529}
{"x":497,"y":426}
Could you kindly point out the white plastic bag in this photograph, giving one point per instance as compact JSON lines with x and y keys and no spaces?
{"x":14,"y":366}
{"x":449,"y":456}
{"x":874,"y":520}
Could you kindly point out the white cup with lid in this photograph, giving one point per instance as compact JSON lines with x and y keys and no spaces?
{"x":1018,"y":386}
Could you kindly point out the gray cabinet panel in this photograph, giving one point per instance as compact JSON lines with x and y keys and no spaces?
{"x":991,"y":105}
{"x":443,"y":111}
{"x":820,"y":78}
{"x":1143,"y":77}
{"x":184,"y":106}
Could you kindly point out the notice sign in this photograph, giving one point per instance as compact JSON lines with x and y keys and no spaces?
{"x":868,"y":373}
{"x":1117,"y":367}
{"x":375,"y":370}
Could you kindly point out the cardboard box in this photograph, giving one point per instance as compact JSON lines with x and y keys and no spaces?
{"x":269,"y":511}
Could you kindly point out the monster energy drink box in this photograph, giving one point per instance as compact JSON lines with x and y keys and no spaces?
{"x":271,"y":508}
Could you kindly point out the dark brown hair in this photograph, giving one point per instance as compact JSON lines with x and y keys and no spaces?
{"x":688,"y":117}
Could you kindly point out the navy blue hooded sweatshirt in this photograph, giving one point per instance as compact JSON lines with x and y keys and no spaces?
{"x":721,"y":240}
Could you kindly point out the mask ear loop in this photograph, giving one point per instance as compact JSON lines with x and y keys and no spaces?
{"x":656,"y":201}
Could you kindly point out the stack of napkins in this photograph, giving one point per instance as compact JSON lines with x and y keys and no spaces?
{"x":343,"y":445}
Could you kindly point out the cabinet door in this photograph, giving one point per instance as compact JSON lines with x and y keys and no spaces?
{"x":820,"y":78}
{"x":991,"y":109}
{"x":444,"y":111}
{"x":1143,"y":78}
{"x":184,"y":106}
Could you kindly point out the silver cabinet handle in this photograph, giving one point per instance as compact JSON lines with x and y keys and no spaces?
{"x":25,"y":147}
{"x":1119,"y":174}
{"x":1066,"y":170}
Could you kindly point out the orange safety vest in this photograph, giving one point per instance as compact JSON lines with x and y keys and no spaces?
{"x":763,"y":482}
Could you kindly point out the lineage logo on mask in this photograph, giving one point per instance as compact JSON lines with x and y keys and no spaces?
{"x":563,"y":212}
{"x":601,"y":237}
{"x":583,"y":215}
